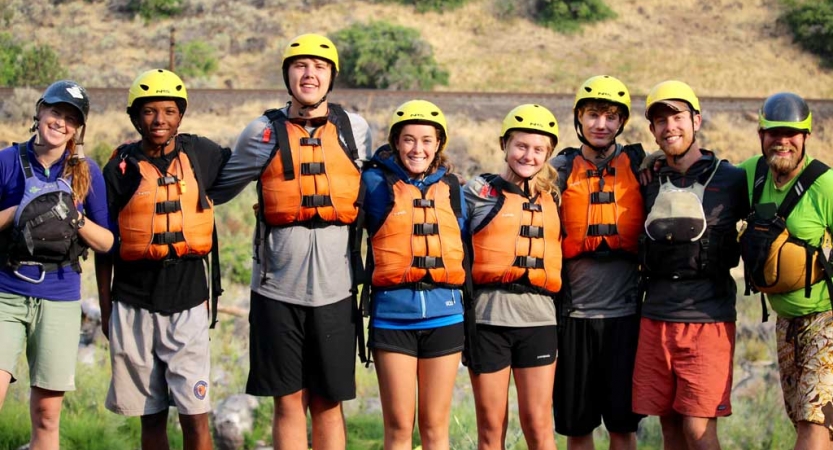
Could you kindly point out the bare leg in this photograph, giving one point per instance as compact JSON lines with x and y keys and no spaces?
{"x":155,"y":431}
{"x":329,"y":431}
{"x":535,"y":386}
{"x":196,"y":434}
{"x":491,"y":402}
{"x":397,"y":375}
{"x":436,"y":387}
{"x":289,"y":422}
{"x":45,"y":412}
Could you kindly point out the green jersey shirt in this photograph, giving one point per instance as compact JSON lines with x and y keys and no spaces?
{"x":808,"y":221}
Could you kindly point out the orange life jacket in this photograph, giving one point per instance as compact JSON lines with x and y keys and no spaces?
{"x":166,"y":212}
{"x":419,"y":240}
{"x":602,"y":208}
{"x":313,"y":177}
{"x":519,"y":242}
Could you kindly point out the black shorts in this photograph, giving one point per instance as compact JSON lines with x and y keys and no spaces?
{"x":593,"y":379}
{"x":517,"y":347}
{"x":425,"y":343}
{"x":294,"y":347}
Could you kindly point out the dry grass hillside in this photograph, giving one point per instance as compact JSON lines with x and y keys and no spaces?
{"x":721,"y":47}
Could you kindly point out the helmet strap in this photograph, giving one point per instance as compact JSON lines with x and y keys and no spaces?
{"x":303,"y":110}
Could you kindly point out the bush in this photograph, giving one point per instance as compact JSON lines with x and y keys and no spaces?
{"x":811,"y":23}
{"x":195,"y":59}
{"x":567,"y":15}
{"x":148,"y":9}
{"x":429,"y":5}
{"x":380,"y":55}
{"x":27,"y":66}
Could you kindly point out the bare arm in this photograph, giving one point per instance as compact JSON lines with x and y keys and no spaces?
{"x":7,"y":217}
{"x":103,"y":278}
{"x":99,"y":239}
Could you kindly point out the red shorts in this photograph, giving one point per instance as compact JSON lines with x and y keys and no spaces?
{"x":684,"y":368}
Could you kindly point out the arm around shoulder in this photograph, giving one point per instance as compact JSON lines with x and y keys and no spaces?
{"x":245,"y":162}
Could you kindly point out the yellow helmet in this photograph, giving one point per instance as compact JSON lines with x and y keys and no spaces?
{"x":530,"y":117}
{"x":312,"y":45}
{"x":607,"y":88}
{"x":419,"y":111}
{"x":157,"y":83}
{"x":670,"y":91}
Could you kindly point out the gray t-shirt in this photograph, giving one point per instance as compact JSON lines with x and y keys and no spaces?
{"x":306,"y":266}
{"x":497,"y":306}
{"x":597,"y":288}
{"x":601,"y":288}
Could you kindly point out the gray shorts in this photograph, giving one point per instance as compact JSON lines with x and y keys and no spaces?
{"x":50,"y":331}
{"x":158,"y":361}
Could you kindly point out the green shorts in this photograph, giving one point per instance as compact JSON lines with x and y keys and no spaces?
{"x":49,"y":330}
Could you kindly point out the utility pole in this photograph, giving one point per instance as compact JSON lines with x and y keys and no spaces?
{"x":171,"y":53}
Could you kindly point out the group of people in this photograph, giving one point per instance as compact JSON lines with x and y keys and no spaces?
{"x":614,"y":263}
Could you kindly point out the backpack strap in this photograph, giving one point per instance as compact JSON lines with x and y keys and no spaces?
{"x":24,"y":160}
{"x":809,"y":176}
{"x":187,"y":141}
{"x":636,"y":154}
{"x":277,"y":119}
{"x":345,"y":130}
{"x":761,"y":170}
{"x":564,"y":171}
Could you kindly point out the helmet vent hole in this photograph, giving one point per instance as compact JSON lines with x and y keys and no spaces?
{"x":294,"y":44}
{"x":435,"y":113}
{"x":144,"y":87}
{"x":621,"y":93}
{"x":179,"y":87}
{"x":325,"y":46}
{"x":588,"y":89}
{"x":400,"y":113}
{"x":519,"y":119}
{"x":552,"y":124}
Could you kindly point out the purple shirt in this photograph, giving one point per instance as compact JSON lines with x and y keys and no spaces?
{"x":63,"y":284}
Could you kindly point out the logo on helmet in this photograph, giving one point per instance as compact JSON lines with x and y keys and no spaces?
{"x":75,"y":92}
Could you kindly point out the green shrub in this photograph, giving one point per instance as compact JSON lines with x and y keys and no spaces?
{"x":35,"y":65}
{"x":811,"y":23}
{"x":380,"y":55}
{"x":429,"y":5}
{"x":153,"y":9}
{"x":195,"y":59}
{"x":568,"y":15}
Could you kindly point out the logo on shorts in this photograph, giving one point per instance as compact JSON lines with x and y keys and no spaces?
{"x":721,"y":407}
{"x":544,"y":356}
{"x":200,"y":389}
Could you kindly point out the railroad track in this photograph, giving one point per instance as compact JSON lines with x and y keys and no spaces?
{"x":478,"y":105}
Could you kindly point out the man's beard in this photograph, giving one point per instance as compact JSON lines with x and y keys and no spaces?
{"x":783,"y":165}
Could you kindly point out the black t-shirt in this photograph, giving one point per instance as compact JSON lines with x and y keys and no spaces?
{"x":725,"y":202}
{"x":167,"y":286}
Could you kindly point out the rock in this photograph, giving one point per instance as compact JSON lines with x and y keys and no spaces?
{"x":233,"y":417}
{"x":90,"y":321}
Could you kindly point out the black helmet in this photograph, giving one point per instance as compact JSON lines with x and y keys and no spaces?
{"x":785,"y":110}
{"x":66,"y":91}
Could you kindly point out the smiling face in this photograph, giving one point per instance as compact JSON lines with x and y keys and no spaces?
{"x":309,"y":79}
{"x":526,"y":154}
{"x":783,"y":149}
{"x":600,"y":123}
{"x":674,"y":130}
{"x":159,"y":121}
{"x":57,"y":124}
{"x":416,"y":147}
